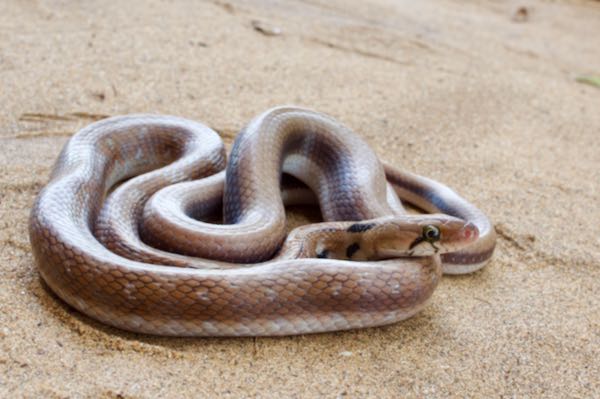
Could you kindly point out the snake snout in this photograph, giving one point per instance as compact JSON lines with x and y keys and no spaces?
{"x":460,"y":236}
{"x":469,"y":232}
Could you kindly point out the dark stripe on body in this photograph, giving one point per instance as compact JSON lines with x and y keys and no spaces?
{"x":360,"y":227}
{"x":467,"y":259}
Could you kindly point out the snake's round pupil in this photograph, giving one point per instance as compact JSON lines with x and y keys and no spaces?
{"x":431,"y":233}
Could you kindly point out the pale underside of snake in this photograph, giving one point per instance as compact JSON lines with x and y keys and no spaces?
{"x":121,"y":231}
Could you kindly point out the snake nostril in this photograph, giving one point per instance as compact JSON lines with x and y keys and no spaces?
{"x":470,"y":232}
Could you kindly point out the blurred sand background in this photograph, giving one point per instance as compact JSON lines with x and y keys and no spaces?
{"x":481,"y":95}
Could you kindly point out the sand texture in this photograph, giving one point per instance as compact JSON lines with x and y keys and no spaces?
{"x":480,"y":95}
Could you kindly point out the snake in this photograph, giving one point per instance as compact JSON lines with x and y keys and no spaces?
{"x":147,"y":226}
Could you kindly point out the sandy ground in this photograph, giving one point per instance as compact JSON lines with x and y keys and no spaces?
{"x":470,"y":94}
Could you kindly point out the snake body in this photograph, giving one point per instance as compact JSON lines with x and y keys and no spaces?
{"x":117,"y":232}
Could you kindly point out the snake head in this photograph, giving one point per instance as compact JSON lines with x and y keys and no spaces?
{"x":419,"y":235}
{"x":387,"y":237}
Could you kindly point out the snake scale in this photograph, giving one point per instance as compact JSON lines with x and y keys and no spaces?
{"x":123,"y":231}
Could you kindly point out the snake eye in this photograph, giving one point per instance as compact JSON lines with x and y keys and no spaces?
{"x":431,"y":233}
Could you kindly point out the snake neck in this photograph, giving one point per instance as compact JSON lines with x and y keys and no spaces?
{"x":341,"y":240}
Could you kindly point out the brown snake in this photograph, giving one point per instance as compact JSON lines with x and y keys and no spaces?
{"x":125,"y":182}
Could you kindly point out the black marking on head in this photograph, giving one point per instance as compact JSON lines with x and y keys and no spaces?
{"x":416,"y":242}
{"x":360,"y":227}
{"x":323,"y":254}
{"x":419,"y":240}
{"x":351,"y":250}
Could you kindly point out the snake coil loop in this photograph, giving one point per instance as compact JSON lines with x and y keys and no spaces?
{"x":136,"y":256}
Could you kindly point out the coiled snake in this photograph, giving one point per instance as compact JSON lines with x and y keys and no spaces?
{"x":117,"y":232}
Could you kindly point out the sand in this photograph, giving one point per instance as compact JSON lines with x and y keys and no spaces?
{"x":482,"y":96}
